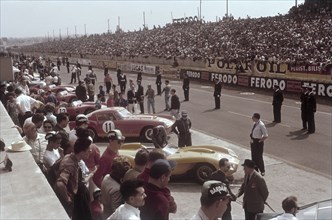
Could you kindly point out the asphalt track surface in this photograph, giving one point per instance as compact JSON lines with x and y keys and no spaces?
{"x":233,"y":122}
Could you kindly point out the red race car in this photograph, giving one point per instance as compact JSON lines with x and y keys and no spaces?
{"x":77,"y":107}
{"x":103,"y":120}
{"x":53,"y":88}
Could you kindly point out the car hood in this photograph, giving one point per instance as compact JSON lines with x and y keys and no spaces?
{"x":150,"y":118}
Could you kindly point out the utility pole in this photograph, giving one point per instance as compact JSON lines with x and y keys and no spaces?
{"x":295,"y":3}
{"x":53,"y":35}
{"x":60,"y":33}
{"x":200,"y":9}
{"x":67,"y":33}
{"x":118,"y":23}
{"x":75,"y":31}
{"x":48,"y":36}
{"x":108,"y":26}
{"x":143,"y":19}
{"x":85,"y":29}
{"x":226,"y":8}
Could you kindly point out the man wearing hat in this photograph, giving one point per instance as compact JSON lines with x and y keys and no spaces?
{"x":158,"y":82}
{"x":181,"y":127}
{"x":140,"y":96}
{"x":116,"y":139}
{"x":311,"y":109}
{"x":156,"y":205}
{"x":214,"y":200}
{"x":254,"y":191}
{"x":278,"y":98}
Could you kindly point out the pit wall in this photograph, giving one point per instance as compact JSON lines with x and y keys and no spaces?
{"x":253,"y":74}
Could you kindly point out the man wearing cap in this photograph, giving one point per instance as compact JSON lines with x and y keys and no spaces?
{"x":278,"y":98}
{"x":258,"y":135}
{"x":214,"y":200}
{"x":116,"y":139}
{"x":311,"y":109}
{"x":254,"y":191}
{"x":181,"y":127}
{"x":157,"y":203}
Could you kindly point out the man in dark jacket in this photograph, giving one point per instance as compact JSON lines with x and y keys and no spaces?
{"x":140,"y":96}
{"x":311,"y":109}
{"x":181,"y":127}
{"x":303,"y":98}
{"x":158,"y":82}
{"x":175,"y":104}
{"x":217,"y":92}
{"x":80,"y":91}
{"x":254,"y":191}
{"x":278,"y":98}
{"x":185,"y":87}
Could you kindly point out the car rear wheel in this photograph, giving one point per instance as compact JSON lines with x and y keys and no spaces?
{"x":147,"y":133}
{"x":93,"y":133}
{"x":203,"y":172}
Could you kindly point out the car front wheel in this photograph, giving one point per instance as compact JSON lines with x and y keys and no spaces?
{"x":147,"y":133}
{"x":203,"y":172}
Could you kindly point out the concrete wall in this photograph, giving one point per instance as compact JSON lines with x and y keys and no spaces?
{"x":24,"y":192}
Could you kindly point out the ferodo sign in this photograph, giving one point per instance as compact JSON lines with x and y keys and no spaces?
{"x":267,"y":83}
{"x":225,"y":78}
{"x":193,"y":74}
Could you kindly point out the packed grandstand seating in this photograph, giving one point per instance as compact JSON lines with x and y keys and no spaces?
{"x":302,"y":35}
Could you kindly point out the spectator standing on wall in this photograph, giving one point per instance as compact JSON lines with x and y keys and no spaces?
{"x":185,"y":87}
{"x":278,"y":98}
{"x":175,"y":104}
{"x":158,"y":83}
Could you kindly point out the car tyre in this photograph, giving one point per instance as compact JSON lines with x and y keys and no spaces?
{"x":203,"y":172}
{"x":146,"y":134}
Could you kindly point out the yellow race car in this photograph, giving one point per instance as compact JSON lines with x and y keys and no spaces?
{"x":201,"y":160}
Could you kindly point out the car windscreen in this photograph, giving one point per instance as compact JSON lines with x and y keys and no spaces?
{"x":325,"y":210}
{"x":124,"y":113}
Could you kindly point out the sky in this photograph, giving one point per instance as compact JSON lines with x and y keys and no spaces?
{"x":41,"y":18}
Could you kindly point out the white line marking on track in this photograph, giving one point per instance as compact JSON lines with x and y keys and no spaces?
{"x":248,"y":116}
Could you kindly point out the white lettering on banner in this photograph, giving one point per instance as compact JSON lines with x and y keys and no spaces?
{"x":193,"y":74}
{"x":320,"y":89}
{"x":267,"y":83}
{"x":225,"y":78}
{"x":137,"y":68}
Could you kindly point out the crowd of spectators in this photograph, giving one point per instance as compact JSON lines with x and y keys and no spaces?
{"x":301,"y":35}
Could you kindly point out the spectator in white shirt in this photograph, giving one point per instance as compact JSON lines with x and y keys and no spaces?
{"x":53,"y":150}
{"x":134,"y":196}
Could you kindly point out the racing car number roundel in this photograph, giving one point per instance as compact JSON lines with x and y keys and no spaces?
{"x":108,"y":126}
